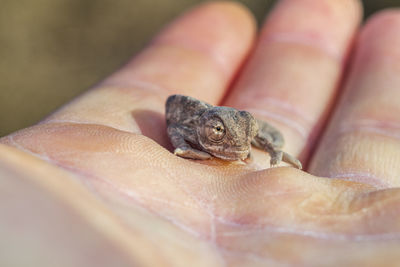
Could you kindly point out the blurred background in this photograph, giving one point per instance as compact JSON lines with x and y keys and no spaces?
{"x":51,"y":50}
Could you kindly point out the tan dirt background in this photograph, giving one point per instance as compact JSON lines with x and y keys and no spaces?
{"x":52,"y":50}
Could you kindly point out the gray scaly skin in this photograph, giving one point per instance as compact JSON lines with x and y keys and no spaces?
{"x":198,"y":130}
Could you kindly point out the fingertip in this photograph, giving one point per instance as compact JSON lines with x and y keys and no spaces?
{"x":197,"y":54}
{"x":384,"y":26}
{"x":217,"y":15}
{"x":235,"y":10}
{"x":324,"y":24}
{"x":379,"y":39}
{"x":225,"y":29}
{"x":385,"y":16}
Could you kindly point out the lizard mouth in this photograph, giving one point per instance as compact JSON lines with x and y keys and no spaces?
{"x":232,"y":155}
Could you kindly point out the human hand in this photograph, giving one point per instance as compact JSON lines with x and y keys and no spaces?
{"x":106,"y":191}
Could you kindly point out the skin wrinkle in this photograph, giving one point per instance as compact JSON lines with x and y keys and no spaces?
{"x":289,"y":108}
{"x":74,"y":171}
{"x":247,"y":180}
{"x":284,"y":106}
{"x":282,"y":194}
{"x":43,"y":157}
{"x":140,"y":201}
{"x":210,"y":212}
{"x":208,"y":208}
{"x":58,"y":121}
{"x":212,"y":65}
{"x":290,"y":123}
{"x":220,"y":60}
{"x":245,"y":230}
{"x":310,"y":40}
{"x":360,"y":177}
{"x":136,"y":85}
{"x":141,"y":92}
{"x":386,"y":128}
{"x":383,"y":128}
{"x":133,"y":96}
{"x":256,"y":257}
{"x":317,"y":234}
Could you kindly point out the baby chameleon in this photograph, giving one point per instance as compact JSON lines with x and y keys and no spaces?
{"x":198,"y":130}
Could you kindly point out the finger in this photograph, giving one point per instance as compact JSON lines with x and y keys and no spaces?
{"x":197,"y":54}
{"x":291,"y":78}
{"x":363,"y":140}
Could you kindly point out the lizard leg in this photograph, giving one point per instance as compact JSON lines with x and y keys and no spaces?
{"x":267,"y":145}
{"x":276,"y":154}
{"x":182,"y":148}
{"x":291,"y":160}
{"x":271,"y":140}
{"x":268,"y":133}
{"x":249,"y":159}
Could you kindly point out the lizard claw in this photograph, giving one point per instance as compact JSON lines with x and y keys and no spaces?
{"x":191,"y":153}
{"x":292,"y":160}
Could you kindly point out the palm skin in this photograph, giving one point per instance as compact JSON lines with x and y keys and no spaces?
{"x":104,"y":189}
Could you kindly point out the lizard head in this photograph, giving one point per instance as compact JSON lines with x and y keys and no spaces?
{"x":226,"y":133}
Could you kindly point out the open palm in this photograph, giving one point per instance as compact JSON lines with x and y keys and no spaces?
{"x":96,"y":184}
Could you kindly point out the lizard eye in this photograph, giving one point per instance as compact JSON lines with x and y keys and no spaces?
{"x":216,"y":131}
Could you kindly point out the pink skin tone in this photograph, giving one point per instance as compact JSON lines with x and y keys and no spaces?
{"x":96,"y":184}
